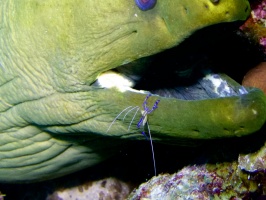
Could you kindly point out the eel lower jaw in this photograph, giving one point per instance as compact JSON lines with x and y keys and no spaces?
{"x":214,"y":106}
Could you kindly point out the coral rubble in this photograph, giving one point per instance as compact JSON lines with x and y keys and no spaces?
{"x":109,"y":188}
{"x":220,"y":181}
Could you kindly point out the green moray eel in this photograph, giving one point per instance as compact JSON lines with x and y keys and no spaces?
{"x":54,"y":121}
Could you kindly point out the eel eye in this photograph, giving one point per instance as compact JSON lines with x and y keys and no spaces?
{"x":145,"y":4}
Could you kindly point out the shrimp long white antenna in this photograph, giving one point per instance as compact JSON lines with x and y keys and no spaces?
{"x":152,"y":150}
{"x":118,"y":117}
{"x":130,"y":111}
{"x":133,"y":118}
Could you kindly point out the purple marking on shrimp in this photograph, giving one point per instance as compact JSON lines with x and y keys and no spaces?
{"x":140,"y":121}
{"x":143,"y":121}
{"x":144,"y":134}
{"x":147,"y":110}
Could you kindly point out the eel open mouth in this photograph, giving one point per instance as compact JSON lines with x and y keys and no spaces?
{"x":207,"y":106}
{"x":197,"y":100}
{"x":206,"y":85}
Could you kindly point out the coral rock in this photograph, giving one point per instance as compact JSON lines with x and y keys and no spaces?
{"x":106,"y":189}
{"x":221,"y":181}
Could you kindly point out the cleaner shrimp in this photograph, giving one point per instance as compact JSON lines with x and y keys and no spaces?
{"x":142,"y":122}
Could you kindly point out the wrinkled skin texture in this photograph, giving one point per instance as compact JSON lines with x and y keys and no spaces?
{"x":53,"y":122}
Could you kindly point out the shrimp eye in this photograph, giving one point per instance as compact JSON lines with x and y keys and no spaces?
{"x":145,"y":4}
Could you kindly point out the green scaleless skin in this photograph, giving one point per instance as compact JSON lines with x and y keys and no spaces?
{"x":52,"y":122}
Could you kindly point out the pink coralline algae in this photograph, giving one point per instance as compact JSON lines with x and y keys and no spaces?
{"x":242,"y":179}
{"x":221,"y":181}
{"x":259,"y":11}
{"x":255,"y":26}
{"x":263,"y":41}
